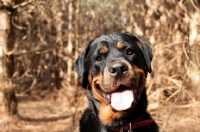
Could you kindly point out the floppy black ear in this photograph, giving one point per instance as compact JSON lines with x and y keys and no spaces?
{"x":146,"y":50}
{"x":81,"y":67}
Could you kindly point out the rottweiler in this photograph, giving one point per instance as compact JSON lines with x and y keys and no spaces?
{"x":113,"y":69}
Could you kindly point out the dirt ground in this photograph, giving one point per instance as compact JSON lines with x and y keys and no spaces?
{"x":48,"y":115}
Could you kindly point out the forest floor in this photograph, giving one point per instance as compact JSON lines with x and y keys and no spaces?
{"x":48,"y":115}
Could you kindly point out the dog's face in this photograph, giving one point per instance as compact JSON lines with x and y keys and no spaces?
{"x":114,"y":67}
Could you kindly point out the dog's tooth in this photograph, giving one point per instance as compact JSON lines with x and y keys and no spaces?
{"x":107,"y":98}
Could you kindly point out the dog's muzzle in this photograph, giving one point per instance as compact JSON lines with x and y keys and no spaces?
{"x":118,"y":69}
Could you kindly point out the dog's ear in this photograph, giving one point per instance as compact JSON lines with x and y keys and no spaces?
{"x":146,"y":50}
{"x":81,"y":67}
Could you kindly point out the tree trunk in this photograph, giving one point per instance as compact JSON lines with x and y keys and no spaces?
{"x":8,"y":104}
{"x":77,"y":37}
{"x":70,"y":39}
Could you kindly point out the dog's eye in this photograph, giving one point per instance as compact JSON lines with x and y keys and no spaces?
{"x":99,"y":58}
{"x":129,"y":51}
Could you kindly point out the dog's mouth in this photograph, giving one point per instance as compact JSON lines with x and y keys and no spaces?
{"x":121,"y":99}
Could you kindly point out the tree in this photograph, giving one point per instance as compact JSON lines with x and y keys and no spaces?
{"x":8,"y":104}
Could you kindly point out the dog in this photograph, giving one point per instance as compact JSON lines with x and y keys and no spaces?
{"x":113,"y":68}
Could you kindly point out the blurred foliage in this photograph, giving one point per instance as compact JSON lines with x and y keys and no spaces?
{"x":40,"y":30}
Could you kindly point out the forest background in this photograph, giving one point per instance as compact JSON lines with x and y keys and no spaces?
{"x":40,"y":40}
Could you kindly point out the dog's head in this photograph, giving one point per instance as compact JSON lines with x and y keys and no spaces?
{"x":114,"y":68}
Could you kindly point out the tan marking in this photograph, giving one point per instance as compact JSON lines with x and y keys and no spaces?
{"x":139,"y":44}
{"x":90,"y":77}
{"x":103,"y":49}
{"x":142,"y":78}
{"x":106,"y":113}
{"x":94,"y":82}
{"x":120,"y":45}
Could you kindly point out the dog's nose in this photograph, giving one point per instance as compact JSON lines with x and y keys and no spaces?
{"x":118,"y":69}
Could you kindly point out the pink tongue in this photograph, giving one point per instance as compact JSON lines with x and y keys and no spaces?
{"x":122,"y":100}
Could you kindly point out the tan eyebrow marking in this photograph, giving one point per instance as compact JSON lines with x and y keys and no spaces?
{"x":120,"y":45}
{"x":103,"y":50}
